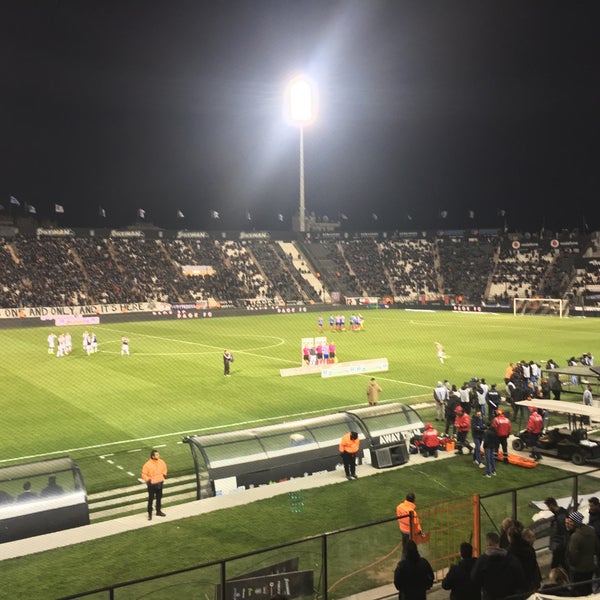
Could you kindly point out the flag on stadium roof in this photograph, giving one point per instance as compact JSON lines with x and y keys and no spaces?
{"x":471,"y":214}
{"x":14,"y":201}
{"x":374,"y":217}
{"x":180,"y":215}
{"x":31,"y":209}
{"x":343,"y":216}
{"x":443,"y":214}
{"x":101,"y":212}
{"x":280,"y":218}
{"x":501,"y":212}
{"x":214,"y":214}
{"x":248,"y":216}
{"x":141,"y":213}
{"x":59,"y":208}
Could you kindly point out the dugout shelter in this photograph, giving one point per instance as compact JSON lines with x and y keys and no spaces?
{"x":225,"y":462}
{"x":41,"y":497}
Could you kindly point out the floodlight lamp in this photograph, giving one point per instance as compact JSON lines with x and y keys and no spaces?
{"x":301,"y":101}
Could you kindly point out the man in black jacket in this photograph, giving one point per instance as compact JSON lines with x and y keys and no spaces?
{"x":594,"y":512}
{"x":558,"y":533}
{"x":458,"y":578}
{"x":496,"y":572}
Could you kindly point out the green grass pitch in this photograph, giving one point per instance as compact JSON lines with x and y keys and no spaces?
{"x":173,"y":384}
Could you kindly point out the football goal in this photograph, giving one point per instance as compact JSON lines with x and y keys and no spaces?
{"x":539,"y":306}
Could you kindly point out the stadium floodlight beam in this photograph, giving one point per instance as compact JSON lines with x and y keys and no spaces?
{"x":301,"y":111}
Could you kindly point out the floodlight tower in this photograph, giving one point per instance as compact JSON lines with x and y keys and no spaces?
{"x":300,"y":104}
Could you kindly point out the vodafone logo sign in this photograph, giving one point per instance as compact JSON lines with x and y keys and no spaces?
{"x":554,"y":243}
{"x":516,"y":245}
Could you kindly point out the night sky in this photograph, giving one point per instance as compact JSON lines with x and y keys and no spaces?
{"x":425,"y":108}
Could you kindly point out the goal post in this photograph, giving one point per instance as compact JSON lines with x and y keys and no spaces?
{"x":539,"y":306}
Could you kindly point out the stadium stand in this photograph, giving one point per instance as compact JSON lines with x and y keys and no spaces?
{"x":70,"y":270}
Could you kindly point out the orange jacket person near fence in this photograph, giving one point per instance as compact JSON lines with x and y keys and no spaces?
{"x":349,"y":446}
{"x":405,"y":511}
{"x":154,"y":473}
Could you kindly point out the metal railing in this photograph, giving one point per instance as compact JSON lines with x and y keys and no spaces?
{"x":353,"y":560}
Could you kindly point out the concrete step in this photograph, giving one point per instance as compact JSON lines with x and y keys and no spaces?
{"x":133,"y":499}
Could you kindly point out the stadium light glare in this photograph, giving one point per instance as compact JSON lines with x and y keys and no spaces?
{"x":300,"y":101}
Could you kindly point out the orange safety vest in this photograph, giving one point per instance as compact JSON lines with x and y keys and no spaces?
{"x":154,"y":470}
{"x":403,"y":511}
{"x":348,"y":445}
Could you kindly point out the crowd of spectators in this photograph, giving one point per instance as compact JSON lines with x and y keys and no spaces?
{"x":105,"y":281}
{"x":50,"y":272}
{"x":519,"y":273}
{"x":283,"y":282}
{"x":411,"y":265}
{"x":508,"y":566}
{"x":465,"y":266}
{"x":63,"y":271}
{"x":364,"y":259}
{"x":334,"y":270}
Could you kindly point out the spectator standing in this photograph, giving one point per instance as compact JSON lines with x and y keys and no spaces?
{"x":503,"y":428}
{"x":477,"y":433}
{"x":440,"y":395}
{"x":458,"y":578}
{"x":555,"y":385}
{"x":558,"y":533}
{"x":405,"y":511}
{"x":594,"y":514}
{"x":493,"y":399}
{"x":465,"y":397}
{"x":588,"y":396}
{"x":154,"y":473}
{"x":509,"y":388}
{"x":496,"y":572}
{"x":490,"y":447}
{"x":349,"y":446}
{"x":227,"y":360}
{"x":452,"y":404}
{"x":582,"y":548}
{"x":505,"y":525}
{"x":373,"y":389}
{"x":523,"y":551}
{"x":413,"y":575}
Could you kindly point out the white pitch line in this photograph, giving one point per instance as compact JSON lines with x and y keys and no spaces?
{"x":230,"y":426}
{"x":399,"y":381}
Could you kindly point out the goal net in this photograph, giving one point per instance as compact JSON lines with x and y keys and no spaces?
{"x":538,"y":306}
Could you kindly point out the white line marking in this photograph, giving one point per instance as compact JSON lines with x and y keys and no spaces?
{"x":230,"y":426}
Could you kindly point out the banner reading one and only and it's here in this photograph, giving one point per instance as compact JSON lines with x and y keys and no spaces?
{"x":92,"y":310}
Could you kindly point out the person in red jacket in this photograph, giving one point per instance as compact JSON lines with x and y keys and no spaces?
{"x":349,"y":446}
{"x":535,"y":426}
{"x":431,"y":441}
{"x":154,"y":473}
{"x":503,"y":428}
{"x":462,"y":422}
